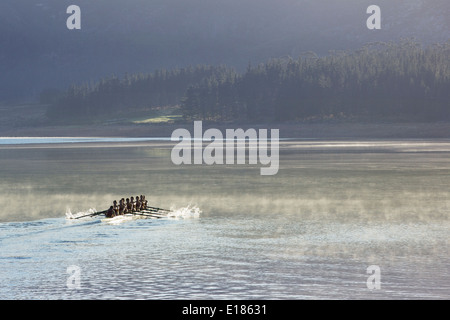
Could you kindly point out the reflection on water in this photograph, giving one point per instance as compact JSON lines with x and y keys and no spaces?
{"x":310,"y":231}
{"x":60,"y":140}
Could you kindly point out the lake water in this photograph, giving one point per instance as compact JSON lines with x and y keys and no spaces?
{"x":310,"y":232}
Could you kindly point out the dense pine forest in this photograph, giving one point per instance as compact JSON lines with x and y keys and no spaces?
{"x":128,"y":95}
{"x":397,"y":81}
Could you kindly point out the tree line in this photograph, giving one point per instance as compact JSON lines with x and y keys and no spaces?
{"x":131,"y":93}
{"x":401,"y":80}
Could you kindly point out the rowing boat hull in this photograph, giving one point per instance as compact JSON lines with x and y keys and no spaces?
{"x":129,"y":216}
{"x":119,"y":219}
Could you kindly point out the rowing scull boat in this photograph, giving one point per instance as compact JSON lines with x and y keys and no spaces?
{"x":133,"y":216}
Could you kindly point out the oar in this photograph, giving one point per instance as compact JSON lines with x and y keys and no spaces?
{"x":152,"y":210}
{"x":91,"y":214}
{"x":158,"y":209}
{"x":145,"y":214}
{"x":155,"y":213}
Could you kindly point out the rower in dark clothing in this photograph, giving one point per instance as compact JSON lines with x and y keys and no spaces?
{"x":115,"y":207}
{"x":138,"y":204}
{"x":110,"y":213}
{"x":122,"y":206}
{"x":129,"y":206}
{"x":141,"y":199}
{"x":133,"y":206}
{"x":144,"y":202}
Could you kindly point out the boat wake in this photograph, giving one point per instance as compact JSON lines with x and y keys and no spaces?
{"x":189,"y":212}
{"x":70,"y":215}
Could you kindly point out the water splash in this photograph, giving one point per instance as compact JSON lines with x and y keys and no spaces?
{"x":189,"y":212}
{"x":70,"y":215}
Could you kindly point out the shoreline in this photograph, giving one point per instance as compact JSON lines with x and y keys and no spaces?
{"x":319,"y":130}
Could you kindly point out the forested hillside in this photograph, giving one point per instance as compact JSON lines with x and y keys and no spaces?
{"x":381,"y":80}
{"x":384,"y":80}
{"x":131,"y":93}
{"x":38,"y":52}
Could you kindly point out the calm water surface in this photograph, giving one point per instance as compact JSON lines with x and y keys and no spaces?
{"x":310,"y":232}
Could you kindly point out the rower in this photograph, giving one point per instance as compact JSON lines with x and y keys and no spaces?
{"x":133,"y":206}
{"x":110,"y":213}
{"x":138,"y":204}
{"x":141,"y":199}
{"x":115,"y":207}
{"x":129,"y":206}
{"x":122,"y":207}
{"x":144,"y":202}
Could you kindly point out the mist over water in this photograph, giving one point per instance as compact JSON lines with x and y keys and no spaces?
{"x":333,"y":209}
{"x":338,"y":180}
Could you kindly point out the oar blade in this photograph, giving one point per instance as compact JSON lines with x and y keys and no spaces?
{"x":90,"y":215}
